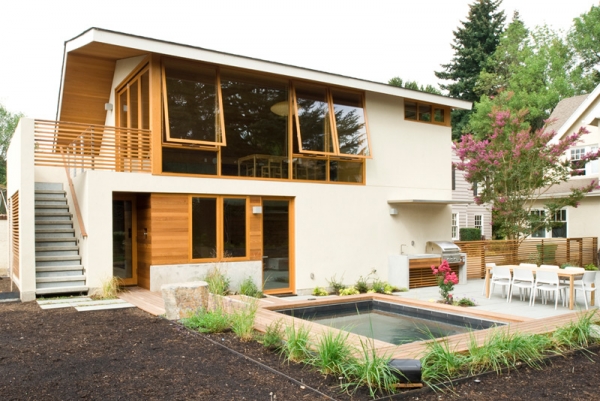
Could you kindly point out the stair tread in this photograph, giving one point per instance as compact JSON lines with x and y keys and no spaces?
{"x":56,"y":258}
{"x":61,"y":290}
{"x":45,"y":269}
{"x":65,"y":206}
{"x":53,"y":214}
{"x":58,"y":279}
{"x":56,"y":248}
{"x":56,"y":239}
{"x":50,"y":191}
{"x":58,"y":230}
{"x":48,"y":222}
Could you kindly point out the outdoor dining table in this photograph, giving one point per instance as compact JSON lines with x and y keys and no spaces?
{"x":562,"y":273}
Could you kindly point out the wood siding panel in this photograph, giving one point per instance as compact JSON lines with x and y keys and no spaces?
{"x":86,"y":89}
{"x":14,"y":222}
{"x":255,"y":238}
{"x":144,"y":249}
{"x":420,"y":274}
{"x":170,"y":234}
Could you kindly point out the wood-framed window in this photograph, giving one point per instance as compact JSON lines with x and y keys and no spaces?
{"x":223,"y":121}
{"x":455,"y":226}
{"x":479,"y":222}
{"x":426,"y":112}
{"x":330,"y":121}
{"x":219,"y":228}
{"x":192,"y":104}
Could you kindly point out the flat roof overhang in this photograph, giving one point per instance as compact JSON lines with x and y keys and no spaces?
{"x":428,"y":202}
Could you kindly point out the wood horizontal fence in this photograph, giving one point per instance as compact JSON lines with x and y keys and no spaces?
{"x":94,"y":147}
{"x":542,"y":251}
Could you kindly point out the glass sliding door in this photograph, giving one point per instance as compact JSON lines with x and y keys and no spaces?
{"x":124,"y":244}
{"x":277,"y":273}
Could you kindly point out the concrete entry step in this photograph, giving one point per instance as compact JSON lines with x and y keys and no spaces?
{"x":61,"y":290}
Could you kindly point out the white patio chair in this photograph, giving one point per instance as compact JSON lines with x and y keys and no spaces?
{"x":549,"y":267}
{"x":586,"y":284}
{"x":492,"y":265}
{"x":523,"y":280}
{"x":532,"y":265}
{"x":501,"y":277}
{"x":548,"y":282}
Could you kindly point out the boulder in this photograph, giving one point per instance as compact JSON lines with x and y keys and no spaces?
{"x":183,"y":299}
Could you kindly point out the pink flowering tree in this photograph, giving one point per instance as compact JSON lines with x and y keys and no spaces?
{"x":446,"y":279}
{"x":515,"y":167}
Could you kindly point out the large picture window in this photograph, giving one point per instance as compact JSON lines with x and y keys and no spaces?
{"x":230,"y":122}
{"x":218,"y":228}
{"x":192,"y":103}
{"x":330,"y":122}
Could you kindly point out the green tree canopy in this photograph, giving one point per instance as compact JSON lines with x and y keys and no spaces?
{"x":536,"y":68}
{"x":473,"y":43}
{"x":397,"y":81}
{"x":8,"y":124}
{"x":584,"y":38}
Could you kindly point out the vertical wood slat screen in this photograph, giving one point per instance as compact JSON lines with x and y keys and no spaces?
{"x":548,"y":251}
{"x":255,"y":230}
{"x":95,"y":147}
{"x":14,"y":223}
{"x":420,"y":273}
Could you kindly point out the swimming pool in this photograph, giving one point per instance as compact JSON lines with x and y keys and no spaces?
{"x":390,"y":322}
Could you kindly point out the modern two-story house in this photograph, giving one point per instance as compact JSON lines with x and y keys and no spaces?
{"x":167,"y":159}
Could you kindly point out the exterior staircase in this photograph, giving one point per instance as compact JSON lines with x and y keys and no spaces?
{"x":58,"y":268}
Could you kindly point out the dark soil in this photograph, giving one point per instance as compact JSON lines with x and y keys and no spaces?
{"x":127,"y":354}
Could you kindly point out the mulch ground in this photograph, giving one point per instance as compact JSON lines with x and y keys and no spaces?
{"x":127,"y":354}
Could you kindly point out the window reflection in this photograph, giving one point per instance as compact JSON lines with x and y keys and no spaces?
{"x":313,"y":119}
{"x":204,"y":228}
{"x":192,"y":106}
{"x":257,"y":130}
{"x":350,"y":123}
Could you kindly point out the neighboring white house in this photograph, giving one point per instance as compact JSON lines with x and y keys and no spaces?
{"x":467,"y":214}
{"x":568,"y":116}
{"x":180,"y":158}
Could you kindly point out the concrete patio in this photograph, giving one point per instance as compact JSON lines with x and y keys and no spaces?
{"x":497,"y":303}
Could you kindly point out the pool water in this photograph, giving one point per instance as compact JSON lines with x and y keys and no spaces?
{"x":391,"y":328}
{"x":390,"y":322}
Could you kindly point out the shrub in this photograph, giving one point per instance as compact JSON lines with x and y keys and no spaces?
{"x":332,"y":352}
{"x":273,"y":337}
{"x":370,"y":370}
{"x":362,"y":286}
{"x":319,"y":292}
{"x":469,"y":234}
{"x":349,"y":291}
{"x":296,"y":344}
{"x":336,"y":286}
{"x":242,"y":321}
{"x":591,"y":267}
{"x":464,"y":301}
{"x":382,"y":287}
{"x":205,"y":321}
{"x":249,"y":288}
{"x":446,"y":279}
{"x":218,"y":283}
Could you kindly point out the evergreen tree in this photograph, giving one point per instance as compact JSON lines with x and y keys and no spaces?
{"x":473,"y":43}
{"x":397,"y":81}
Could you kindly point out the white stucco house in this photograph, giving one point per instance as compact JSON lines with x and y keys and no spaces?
{"x":166,"y":159}
{"x":569,"y":115}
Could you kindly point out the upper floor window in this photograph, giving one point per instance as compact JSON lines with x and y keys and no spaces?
{"x":479,"y":222}
{"x":229,"y":122}
{"x":192,"y":103}
{"x":425,"y":112}
{"x":578,"y":168}
{"x":455,"y":226}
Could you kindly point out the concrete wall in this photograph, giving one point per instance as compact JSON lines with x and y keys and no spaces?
{"x":20,"y":178}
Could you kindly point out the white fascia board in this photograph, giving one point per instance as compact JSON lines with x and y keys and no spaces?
{"x":583,"y":107}
{"x":226,"y":59}
{"x":428,"y":202}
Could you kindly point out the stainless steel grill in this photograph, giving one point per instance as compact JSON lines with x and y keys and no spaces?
{"x":446,"y":249}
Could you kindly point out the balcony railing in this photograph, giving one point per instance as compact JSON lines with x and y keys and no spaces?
{"x":91,"y":147}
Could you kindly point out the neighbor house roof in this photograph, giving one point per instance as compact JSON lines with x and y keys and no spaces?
{"x":583,"y":110}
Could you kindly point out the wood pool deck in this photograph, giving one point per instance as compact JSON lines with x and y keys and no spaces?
{"x":152,"y":303}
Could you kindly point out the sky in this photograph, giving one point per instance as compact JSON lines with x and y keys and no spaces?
{"x":373,"y":40}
